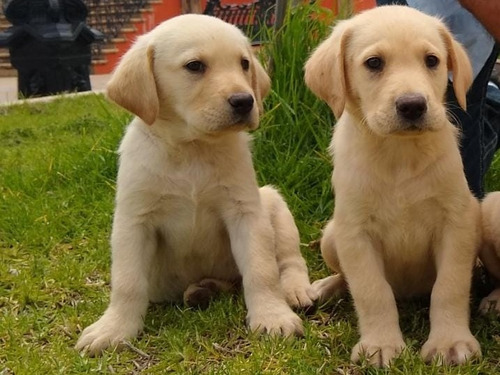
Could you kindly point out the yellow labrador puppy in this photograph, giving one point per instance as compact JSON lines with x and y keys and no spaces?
{"x":190,"y":218}
{"x":490,"y":249}
{"x":405,"y":222}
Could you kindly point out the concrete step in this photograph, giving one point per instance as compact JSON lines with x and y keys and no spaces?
{"x":128,"y":29}
{"x":8,"y":72}
{"x":112,"y":49}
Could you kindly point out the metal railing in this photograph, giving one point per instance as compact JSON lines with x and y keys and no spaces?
{"x":110,"y":17}
{"x":251,"y":17}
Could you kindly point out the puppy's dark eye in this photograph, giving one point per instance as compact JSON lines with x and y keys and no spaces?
{"x":245,"y":64}
{"x":375,"y":64}
{"x":431,"y":61}
{"x":195,"y":66}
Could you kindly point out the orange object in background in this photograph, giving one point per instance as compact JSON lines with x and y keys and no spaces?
{"x":357,"y":5}
{"x":360,"y":5}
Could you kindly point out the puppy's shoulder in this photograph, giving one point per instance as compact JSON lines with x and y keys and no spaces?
{"x":140,"y":150}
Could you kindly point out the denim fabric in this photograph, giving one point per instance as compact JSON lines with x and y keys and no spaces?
{"x":479,"y":139}
{"x":391,"y":2}
{"x":491,"y":125}
{"x":480,"y":125}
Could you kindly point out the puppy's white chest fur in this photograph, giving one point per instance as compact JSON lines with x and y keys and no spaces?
{"x":192,"y":244}
{"x":405,"y":235}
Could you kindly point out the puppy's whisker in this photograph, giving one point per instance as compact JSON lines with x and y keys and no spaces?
{"x":365,"y":127}
{"x":364,"y":122}
{"x":452,"y":116}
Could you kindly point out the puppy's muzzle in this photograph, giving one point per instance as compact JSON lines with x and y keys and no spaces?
{"x":411,"y":107}
{"x":242,"y":103}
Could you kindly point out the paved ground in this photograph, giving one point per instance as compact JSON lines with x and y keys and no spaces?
{"x":8,"y":87}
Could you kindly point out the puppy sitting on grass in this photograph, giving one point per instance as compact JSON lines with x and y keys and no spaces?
{"x":190,"y":218}
{"x":405,"y":221}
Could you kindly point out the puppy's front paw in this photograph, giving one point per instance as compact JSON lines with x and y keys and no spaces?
{"x":109,"y":331}
{"x":275,"y":319}
{"x":299,"y":293}
{"x":491,"y":303}
{"x":454,"y":350}
{"x":378,"y":352}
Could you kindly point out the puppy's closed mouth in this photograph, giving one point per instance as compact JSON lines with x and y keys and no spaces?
{"x":230,"y":121}
{"x":241,"y":109}
{"x":412,"y":127}
{"x":237,"y":125}
{"x":243,"y":122}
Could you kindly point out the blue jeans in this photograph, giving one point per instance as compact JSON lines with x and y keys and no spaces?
{"x":479,"y":125}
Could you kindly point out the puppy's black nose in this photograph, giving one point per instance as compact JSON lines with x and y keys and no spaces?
{"x":411,"y":106}
{"x":242,"y":102}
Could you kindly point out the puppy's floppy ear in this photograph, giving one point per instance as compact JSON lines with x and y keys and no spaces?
{"x":261,"y":83}
{"x":132,"y":84}
{"x":325,"y":71}
{"x":460,"y":66}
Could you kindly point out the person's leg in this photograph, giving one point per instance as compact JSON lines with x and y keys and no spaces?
{"x":475,"y":138}
{"x":491,"y":125}
{"x":391,"y":2}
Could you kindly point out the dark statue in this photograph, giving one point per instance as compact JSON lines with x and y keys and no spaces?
{"x":49,"y":45}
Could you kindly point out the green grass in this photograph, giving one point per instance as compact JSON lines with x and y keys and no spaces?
{"x":57,"y":185}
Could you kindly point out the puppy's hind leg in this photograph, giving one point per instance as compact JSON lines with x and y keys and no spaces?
{"x":491,"y":259}
{"x":292,"y":267}
{"x":199,"y":294}
{"x":334,"y":285}
{"x":491,"y":303}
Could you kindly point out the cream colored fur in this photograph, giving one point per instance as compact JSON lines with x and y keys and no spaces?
{"x":490,"y":249}
{"x":189,"y":215}
{"x":405,"y":222}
